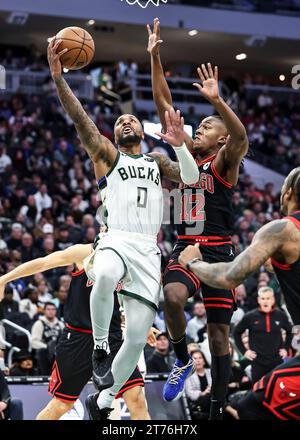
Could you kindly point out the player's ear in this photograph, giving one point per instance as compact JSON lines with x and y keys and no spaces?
{"x":222,"y":141}
{"x":289,"y":194}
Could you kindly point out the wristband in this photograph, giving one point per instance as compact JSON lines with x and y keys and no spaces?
{"x":194,"y":260}
{"x":189,"y":171}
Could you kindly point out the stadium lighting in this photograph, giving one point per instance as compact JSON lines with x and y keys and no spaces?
{"x":282,"y":77}
{"x":91,"y":22}
{"x":193,"y":32}
{"x":241,"y":56}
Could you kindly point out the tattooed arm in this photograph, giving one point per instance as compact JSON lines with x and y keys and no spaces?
{"x":186,"y":170}
{"x":266,"y":242}
{"x":168,"y":167}
{"x":99,"y":148}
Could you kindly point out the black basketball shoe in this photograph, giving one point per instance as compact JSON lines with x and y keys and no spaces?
{"x":102,"y":375}
{"x":94,"y":412}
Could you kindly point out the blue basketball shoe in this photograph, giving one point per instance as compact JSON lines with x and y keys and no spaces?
{"x":173,"y":388}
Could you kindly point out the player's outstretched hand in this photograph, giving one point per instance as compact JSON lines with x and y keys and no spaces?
{"x":54,"y":57}
{"x":151,"y":338}
{"x":189,"y":253}
{"x":209,"y":78}
{"x":154,"y":40}
{"x":175,"y":134}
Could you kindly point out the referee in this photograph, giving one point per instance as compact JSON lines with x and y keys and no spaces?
{"x":266,"y":346}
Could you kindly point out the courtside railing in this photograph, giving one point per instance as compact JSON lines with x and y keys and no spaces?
{"x":40,"y":83}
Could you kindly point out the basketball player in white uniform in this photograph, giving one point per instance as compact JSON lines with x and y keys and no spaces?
{"x":130,"y":185}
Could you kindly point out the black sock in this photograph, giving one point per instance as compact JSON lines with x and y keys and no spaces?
{"x":180,"y":349}
{"x":216,"y":410}
{"x":220,"y":373}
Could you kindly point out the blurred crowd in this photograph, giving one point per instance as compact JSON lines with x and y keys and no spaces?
{"x":48,"y":201}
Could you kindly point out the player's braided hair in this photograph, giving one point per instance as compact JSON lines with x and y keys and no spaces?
{"x":293,"y":181}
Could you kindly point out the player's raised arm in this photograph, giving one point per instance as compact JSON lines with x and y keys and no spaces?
{"x":186,"y":169}
{"x":160,"y":89}
{"x":237,"y":142}
{"x":99,"y":148}
{"x":73,"y":254}
{"x":266,"y":242}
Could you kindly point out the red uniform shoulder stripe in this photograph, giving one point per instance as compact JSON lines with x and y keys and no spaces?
{"x":280,"y":265}
{"x":77,"y":273}
{"x":277,"y":372}
{"x":294,"y":220}
{"x":201,"y":162}
{"x":217,"y":175}
{"x":274,"y":411}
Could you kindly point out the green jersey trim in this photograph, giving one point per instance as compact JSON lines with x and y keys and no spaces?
{"x":114,"y":164}
{"x":133,"y":156}
{"x":139,"y":298}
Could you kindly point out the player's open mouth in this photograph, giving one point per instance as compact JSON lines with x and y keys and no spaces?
{"x":127,"y":130}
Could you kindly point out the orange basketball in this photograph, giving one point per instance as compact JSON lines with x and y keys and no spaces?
{"x":80,"y":45}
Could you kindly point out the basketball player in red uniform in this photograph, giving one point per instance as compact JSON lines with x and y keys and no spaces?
{"x":220,"y":145}
{"x":72,"y":368}
{"x":279,"y":240}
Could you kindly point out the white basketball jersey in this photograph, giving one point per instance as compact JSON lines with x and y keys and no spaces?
{"x":132,"y":195}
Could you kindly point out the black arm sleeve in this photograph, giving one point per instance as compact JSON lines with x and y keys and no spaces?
{"x":4,"y":391}
{"x":238,"y":331}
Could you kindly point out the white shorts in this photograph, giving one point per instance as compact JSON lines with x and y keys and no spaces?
{"x":142,"y":264}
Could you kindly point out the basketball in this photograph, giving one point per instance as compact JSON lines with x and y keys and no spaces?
{"x":80,"y":45}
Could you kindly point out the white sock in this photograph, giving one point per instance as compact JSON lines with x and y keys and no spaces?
{"x":108,"y":269}
{"x":138,"y":318}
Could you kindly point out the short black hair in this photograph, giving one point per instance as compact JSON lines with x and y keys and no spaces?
{"x":27,"y":292}
{"x":8,"y":290}
{"x":49,"y":304}
{"x":293,"y":181}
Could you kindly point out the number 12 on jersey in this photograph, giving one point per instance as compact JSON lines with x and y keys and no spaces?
{"x":192,"y":207}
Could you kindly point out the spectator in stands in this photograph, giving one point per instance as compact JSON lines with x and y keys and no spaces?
{"x":30,"y":303}
{"x":42,"y":199}
{"x":44,"y":295}
{"x":8,"y":305}
{"x":196,"y":327}
{"x":162,"y":358}
{"x":5,"y":160}
{"x":9,"y":408}
{"x":27,"y":250}
{"x":63,"y":239}
{"x":266,"y":346}
{"x":198,"y":386}
{"x":45,"y":333}
{"x":15,"y":239}
{"x":240,"y":297}
{"x":22,"y":365}
{"x":59,"y":301}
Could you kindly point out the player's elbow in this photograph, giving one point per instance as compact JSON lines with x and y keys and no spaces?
{"x":191,"y":179}
{"x":230,"y":283}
